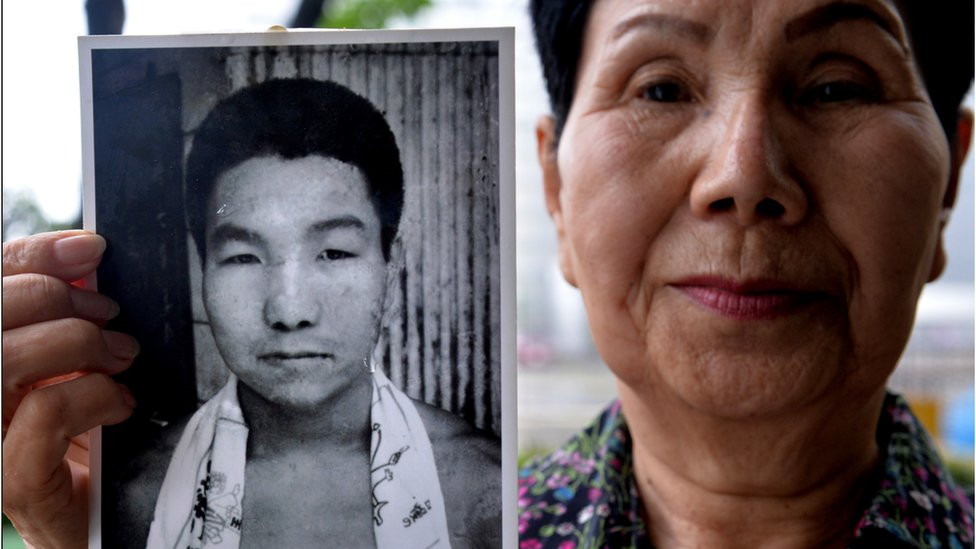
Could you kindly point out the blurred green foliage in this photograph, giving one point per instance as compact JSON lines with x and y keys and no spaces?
{"x":527,"y":454}
{"x":961,"y":470}
{"x":367,"y":14}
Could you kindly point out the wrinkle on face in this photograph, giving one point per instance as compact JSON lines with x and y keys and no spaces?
{"x":861,"y":182}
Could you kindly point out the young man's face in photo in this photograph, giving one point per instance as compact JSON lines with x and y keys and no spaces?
{"x":294,"y":276}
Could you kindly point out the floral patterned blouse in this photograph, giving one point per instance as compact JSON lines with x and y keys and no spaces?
{"x":583,"y":495}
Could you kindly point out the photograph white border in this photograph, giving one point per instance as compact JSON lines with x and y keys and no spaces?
{"x":506,"y":86}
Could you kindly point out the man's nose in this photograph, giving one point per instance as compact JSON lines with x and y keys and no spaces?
{"x":748,"y":175}
{"x":290,"y":305}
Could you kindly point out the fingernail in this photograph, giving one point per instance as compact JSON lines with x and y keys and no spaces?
{"x":93,"y":306}
{"x":76,"y":250}
{"x":120,"y":345}
{"x":127,"y":396}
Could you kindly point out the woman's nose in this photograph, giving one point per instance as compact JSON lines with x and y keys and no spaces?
{"x":748,"y":175}
{"x":290,"y":305}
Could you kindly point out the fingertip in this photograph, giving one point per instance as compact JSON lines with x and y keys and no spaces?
{"x":121,"y":346}
{"x":67,"y":255}
{"x":79,"y":249}
{"x":127,"y":396}
{"x":122,"y":410}
{"x":93,"y":306}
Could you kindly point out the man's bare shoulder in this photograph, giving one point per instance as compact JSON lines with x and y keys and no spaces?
{"x":469,"y":468}
{"x":137,"y":484}
{"x":457,"y":440}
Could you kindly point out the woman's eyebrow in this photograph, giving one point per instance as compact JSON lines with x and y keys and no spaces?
{"x":672,"y":24}
{"x":823,"y":17}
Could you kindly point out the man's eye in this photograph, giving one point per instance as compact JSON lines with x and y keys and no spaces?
{"x":836,"y":92}
{"x":333,"y":255}
{"x":665,"y":92}
{"x":241,"y":259}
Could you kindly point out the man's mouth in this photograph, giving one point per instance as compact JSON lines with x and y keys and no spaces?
{"x":285,"y":356}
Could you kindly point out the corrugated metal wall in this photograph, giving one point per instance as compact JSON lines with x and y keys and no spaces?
{"x":441,"y":336}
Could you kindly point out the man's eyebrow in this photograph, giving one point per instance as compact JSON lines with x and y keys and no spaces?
{"x":341,"y":222}
{"x":228,"y":232}
{"x":823,"y":17}
{"x":665,"y":22}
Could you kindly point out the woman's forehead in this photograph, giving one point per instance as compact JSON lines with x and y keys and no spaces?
{"x":702,"y":19}
{"x":738,"y":35}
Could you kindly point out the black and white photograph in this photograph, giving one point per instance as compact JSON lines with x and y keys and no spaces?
{"x":310,"y":235}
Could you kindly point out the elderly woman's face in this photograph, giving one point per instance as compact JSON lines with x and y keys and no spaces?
{"x":748,"y":195}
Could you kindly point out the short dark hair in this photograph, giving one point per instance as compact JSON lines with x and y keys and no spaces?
{"x":292,"y":119}
{"x":941,"y":33}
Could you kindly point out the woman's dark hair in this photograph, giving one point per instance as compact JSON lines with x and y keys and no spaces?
{"x":294,"y":119}
{"x":941,"y":33}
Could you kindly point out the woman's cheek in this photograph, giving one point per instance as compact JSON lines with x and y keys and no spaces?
{"x":889,"y":187}
{"x":611,"y":234}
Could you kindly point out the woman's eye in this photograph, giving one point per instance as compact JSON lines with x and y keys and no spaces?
{"x":665,"y":92}
{"x":333,"y":255}
{"x":241,"y":259}
{"x":836,"y":92}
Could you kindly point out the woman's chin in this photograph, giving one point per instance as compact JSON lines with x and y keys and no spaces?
{"x":748,"y":388}
{"x":749,"y":367}
{"x":739,"y":383}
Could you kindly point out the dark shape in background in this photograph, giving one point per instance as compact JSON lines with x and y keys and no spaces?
{"x":105,"y":16}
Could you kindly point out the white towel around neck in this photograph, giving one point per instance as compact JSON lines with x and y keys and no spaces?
{"x":201,"y":498}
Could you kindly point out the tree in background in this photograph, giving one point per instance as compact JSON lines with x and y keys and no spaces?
{"x":366,"y":14}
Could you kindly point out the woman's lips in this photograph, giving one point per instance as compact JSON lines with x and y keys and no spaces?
{"x":750,"y":300}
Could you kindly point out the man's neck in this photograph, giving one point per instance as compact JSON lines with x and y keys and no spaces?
{"x":783,"y":482}
{"x":340,"y":421}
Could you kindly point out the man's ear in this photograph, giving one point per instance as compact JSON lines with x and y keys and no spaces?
{"x":958,"y":149}
{"x":546,"y":142}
